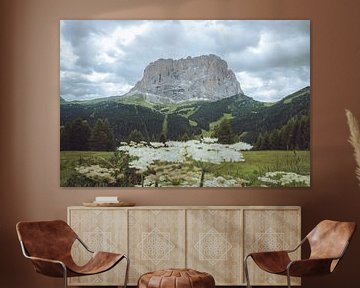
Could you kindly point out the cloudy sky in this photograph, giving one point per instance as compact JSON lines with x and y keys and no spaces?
{"x":100,"y":58}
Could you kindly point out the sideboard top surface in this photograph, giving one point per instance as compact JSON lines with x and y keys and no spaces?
{"x":193,"y":207}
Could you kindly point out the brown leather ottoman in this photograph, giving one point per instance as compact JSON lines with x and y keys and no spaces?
{"x":176,"y":278}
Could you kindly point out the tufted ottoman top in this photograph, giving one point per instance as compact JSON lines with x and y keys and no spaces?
{"x":176,"y":278}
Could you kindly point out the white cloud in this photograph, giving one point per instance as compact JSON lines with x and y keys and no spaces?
{"x":67,"y":55}
{"x":279,"y":85}
{"x":96,"y":77}
{"x":126,"y":35}
{"x":249,"y":81}
{"x":102,"y":58}
{"x":109,"y":46}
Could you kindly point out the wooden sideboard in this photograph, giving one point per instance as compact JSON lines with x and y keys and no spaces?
{"x":212,"y":239}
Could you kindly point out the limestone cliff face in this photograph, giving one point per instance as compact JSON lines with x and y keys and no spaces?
{"x":205,"y":77}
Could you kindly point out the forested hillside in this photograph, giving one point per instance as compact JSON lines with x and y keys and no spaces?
{"x":104,"y":123}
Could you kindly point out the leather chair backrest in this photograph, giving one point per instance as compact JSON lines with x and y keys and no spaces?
{"x":329,"y":239}
{"x":46,"y":239}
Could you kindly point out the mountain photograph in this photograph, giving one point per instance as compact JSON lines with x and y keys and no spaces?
{"x":198,"y":103}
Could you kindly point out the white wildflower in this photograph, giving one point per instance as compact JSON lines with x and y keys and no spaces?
{"x":209,"y":140}
{"x":285,"y":178}
{"x":156,"y":144}
{"x":97,"y":173}
{"x":176,"y":152}
{"x":223,"y":182}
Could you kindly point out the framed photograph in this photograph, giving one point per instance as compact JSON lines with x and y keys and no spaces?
{"x":185,"y":103}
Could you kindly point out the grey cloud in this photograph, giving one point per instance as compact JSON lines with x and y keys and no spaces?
{"x":287,"y":51}
{"x":273,"y":84}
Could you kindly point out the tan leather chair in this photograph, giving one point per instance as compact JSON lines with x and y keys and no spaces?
{"x":48,"y":245}
{"x":328,"y":242}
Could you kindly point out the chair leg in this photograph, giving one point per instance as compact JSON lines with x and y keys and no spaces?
{"x":288,"y":278}
{"x":246,"y":270}
{"x":127,"y":271}
{"x":65,"y":276}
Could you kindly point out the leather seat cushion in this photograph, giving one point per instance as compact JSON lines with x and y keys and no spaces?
{"x":176,"y":278}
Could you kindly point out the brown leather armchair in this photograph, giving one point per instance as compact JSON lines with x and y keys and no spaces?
{"x":328,"y":242}
{"x":48,"y":245}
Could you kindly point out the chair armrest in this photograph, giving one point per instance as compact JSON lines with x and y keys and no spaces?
{"x":48,"y":267}
{"x":280,"y":251}
{"x":298,"y":246}
{"x":309,"y":267}
{"x":84,"y":245}
{"x":268,"y":253}
{"x":271,"y":261}
{"x":271,"y":252}
{"x":45,"y":260}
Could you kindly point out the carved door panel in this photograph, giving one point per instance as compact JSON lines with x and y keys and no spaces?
{"x":269,"y":230}
{"x":156,"y":240}
{"x":101,"y":230}
{"x":214,"y":244}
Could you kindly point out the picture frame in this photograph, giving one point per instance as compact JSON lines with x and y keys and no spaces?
{"x":185,"y":103}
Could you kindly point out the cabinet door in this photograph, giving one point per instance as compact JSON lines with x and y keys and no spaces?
{"x":214,"y":244}
{"x":270,"y":230}
{"x":100,"y":230}
{"x":156,"y":240}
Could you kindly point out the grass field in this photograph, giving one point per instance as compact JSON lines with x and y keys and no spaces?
{"x":71,"y":159}
{"x":256,"y":164}
{"x":259,"y":162}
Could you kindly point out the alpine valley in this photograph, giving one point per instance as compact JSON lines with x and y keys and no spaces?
{"x":184,"y":103}
{"x":191,"y":99}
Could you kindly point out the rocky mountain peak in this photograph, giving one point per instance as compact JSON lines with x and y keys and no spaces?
{"x":205,"y":77}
